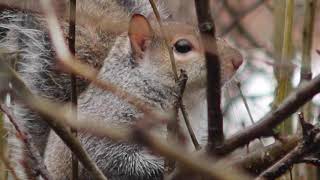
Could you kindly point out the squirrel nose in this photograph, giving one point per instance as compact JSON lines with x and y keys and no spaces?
{"x":237,"y":62}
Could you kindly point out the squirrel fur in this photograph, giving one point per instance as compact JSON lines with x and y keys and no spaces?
{"x":136,"y":61}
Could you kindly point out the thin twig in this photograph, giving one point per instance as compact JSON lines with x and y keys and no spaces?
{"x":245,"y":101}
{"x":167,"y":42}
{"x":246,"y":106}
{"x":259,"y":160}
{"x":309,"y":145}
{"x":282,"y":166}
{"x":37,"y":161}
{"x":174,"y":69}
{"x":189,"y":127}
{"x":6,"y":162}
{"x":174,"y":123}
{"x":74,"y":96}
{"x":208,"y":36}
{"x":3,"y":138}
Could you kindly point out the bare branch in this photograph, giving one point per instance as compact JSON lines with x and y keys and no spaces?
{"x":259,"y":160}
{"x":74,"y":96}
{"x":309,"y":144}
{"x":174,"y":123}
{"x":245,"y":102}
{"x":208,"y":36}
{"x":312,"y":161}
{"x":264,"y":127}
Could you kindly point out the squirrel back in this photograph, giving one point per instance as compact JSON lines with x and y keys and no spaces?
{"x":137,"y":61}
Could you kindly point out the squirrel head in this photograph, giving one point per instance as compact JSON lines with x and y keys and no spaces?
{"x":150,"y":51}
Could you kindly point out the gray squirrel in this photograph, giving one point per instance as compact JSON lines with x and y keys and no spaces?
{"x":136,"y":61}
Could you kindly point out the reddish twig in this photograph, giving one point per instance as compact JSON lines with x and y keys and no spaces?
{"x":7,"y":164}
{"x":37,"y":161}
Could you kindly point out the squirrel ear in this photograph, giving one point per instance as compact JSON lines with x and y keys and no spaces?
{"x":140,"y":33}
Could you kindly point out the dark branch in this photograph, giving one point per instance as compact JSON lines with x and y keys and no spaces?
{"x":208,"y":33}
{"x":181,"y":83}
{"x":261,"y":159}
{"x":309,"y":145}
{"x":312,"y":161}
{"x":264,"y":127}
{"x":74,"y":97}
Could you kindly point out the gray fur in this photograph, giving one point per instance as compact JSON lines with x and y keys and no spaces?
{"x":143,"y":7}
{"x":23,"y":39}
{"x":119,"y":161}
{"x":24,"y":35}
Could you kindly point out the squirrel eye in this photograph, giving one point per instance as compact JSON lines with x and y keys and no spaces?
{"x":182,"y":46}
